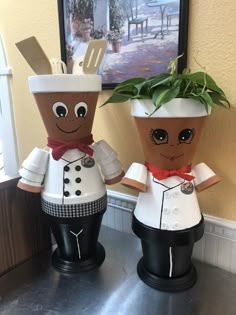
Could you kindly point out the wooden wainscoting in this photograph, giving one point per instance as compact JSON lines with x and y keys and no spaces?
{"x":24,"y":232}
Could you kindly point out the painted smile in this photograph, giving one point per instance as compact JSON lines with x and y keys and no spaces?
{"x":67,"y":131}
{"x":171,"y":158}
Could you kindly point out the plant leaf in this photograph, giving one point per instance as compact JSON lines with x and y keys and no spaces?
{"x":116,"y":98}
{"x":127,"y":84}
{"x":164,"y":79}
{"x":172,"y":66}
{"x":164,"y":95}
{"x":220,"y":100}
{"x":199,"y":99}
{"x":207,"y":98}
{"x":203,"y":79}
{"x":146,"y":86}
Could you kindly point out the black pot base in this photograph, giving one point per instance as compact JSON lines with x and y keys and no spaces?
{"x":66,"y":266}
{"x":167,"y":284}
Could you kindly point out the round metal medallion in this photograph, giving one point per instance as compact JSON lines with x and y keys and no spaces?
{"x":88,"y":162}
{"x":187,"y":188}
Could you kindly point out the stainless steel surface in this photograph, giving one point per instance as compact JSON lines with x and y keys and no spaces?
{"x":35,"y":288}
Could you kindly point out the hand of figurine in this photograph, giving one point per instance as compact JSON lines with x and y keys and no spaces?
{"x":208,"y":183}
{"x":131,"y":183}
{"x":204,"y":177}
{"x":115,"y":180}
{"x":29,"y":188}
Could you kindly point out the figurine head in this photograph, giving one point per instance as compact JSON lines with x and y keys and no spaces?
{"x":66,"y":103}
{"x":170,"y":136}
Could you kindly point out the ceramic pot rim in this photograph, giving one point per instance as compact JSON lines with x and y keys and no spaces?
{"x":178,"y":107}
{"x":65,"y":83}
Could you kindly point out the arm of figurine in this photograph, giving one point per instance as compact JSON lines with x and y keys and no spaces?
{"x":33,"y":171}
{"x":204,"y":177}
{"x":109,"y":163}
{"x":136,"y":177}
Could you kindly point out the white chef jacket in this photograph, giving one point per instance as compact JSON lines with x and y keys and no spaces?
{"x":76,"y":177}
{"x":170,"y":204}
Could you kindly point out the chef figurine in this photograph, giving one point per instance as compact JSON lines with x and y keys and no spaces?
{"x":167,"y":217}
{"x":68,"y":172}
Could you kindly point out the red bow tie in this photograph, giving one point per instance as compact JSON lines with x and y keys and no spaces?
{"x":59,"y":147}
{"x":160,"y":173}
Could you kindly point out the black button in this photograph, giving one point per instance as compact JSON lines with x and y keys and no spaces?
{"x":78,"y":180}
{"x":66,"y":168}
{"x":66,"y":180}
{"x":66,"y":193}
{"x":78,"y":192}
{"x":78,"y":168}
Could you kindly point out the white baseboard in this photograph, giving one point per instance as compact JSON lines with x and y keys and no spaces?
{"x":217,"y":247}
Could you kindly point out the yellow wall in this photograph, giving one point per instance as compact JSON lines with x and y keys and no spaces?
{"x":212,"y":41}
{"x":19,"y":20}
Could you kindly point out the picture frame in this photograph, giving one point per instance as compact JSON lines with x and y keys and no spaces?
{"x":147,"y":42}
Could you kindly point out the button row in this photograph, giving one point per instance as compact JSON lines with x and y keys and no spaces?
{"x":67,"y":168}
{"x":173,"y":226}
{"x":67,"y":194}
{"x":169,"y":195}
{"x":77,"y":180}
{"x":168,"y":211}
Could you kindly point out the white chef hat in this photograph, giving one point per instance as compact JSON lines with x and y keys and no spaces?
{"x":65,"y":83}
{"x":178,"y":107}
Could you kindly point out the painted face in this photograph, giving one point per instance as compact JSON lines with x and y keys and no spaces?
{"x":169,"y":143}
{"x":67,"y":116}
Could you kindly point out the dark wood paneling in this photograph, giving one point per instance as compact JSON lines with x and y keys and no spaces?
{"x":24,"y":232}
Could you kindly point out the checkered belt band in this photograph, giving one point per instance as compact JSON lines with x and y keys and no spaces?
{"x":74,"y":210}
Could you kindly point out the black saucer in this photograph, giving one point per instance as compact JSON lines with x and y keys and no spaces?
{"x":80,"y":265}
{"x":167,"y":284}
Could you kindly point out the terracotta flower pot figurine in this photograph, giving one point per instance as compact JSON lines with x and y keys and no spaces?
{"x":68,"y":172}
{"x":169,"y":111}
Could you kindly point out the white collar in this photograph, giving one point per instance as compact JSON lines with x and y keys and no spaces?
{"x":72,"y":155}
{"x":169,"y":182}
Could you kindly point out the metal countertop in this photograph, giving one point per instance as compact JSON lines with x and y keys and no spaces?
{"x":35,"y":288}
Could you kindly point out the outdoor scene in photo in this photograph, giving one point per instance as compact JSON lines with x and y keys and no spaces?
{"x":142,"y":35}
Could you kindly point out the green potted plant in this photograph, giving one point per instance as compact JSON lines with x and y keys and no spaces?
{"x":114,"y":37}
{"x":169,"y":110}
{"x":164,"y":87}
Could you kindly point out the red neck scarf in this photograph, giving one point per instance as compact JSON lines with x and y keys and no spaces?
{"x":160,"y":173}
{"x":59,"y":147}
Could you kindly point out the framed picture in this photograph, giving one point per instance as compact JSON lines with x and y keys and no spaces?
{"x":143,"y":36}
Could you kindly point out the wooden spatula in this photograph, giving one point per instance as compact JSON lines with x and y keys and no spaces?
{"x":93,"y":57}
{"x":34,"y":55}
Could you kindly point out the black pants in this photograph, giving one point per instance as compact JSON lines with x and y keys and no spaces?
{"x":76,"y":238}
{"x":166,"y":261}
{"x":167,"y":253}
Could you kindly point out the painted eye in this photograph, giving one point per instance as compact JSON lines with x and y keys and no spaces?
{"x":81,"y":109}
{"x":186,"y":135}
{"x":159,"y":136}
{"x":60,"y":109}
